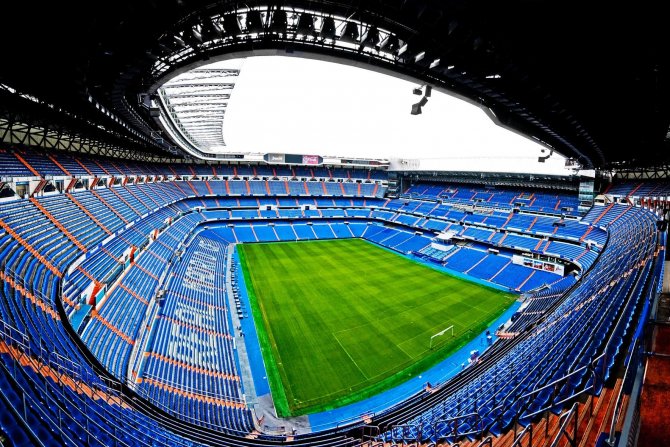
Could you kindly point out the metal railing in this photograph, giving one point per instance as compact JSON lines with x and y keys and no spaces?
{"x":569,"y":417}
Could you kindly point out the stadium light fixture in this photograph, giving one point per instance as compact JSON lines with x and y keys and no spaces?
{"x":254,"y":21}
{"x":196,"y":35}
{"x":210,"y":30}
{"x":425,"y":59}
{"x":391,"y":44}
{"x":350,"y":33}
{"x":371,"y":37}
{"x":179,"y":41}
{"x":328,"y":28}
{"x":231,"y":24}
{"x":279,"y":21}
{"x":306,"y":24}
{"x":408,"y":53}
{"x":191,"y":37}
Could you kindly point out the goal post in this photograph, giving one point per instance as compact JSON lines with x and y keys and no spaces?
{"x":438,"y":334}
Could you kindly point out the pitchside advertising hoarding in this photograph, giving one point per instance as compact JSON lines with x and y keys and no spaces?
{"x":539,"y":264}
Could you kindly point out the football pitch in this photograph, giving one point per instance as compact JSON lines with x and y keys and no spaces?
{"x":342,"y":320}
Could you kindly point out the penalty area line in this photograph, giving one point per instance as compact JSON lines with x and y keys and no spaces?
{"x":349,"y":355}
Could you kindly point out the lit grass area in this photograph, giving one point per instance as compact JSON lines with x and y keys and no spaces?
{"x":342,"y":320}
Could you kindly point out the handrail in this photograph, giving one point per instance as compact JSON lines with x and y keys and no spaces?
{"x":522,"y":434}
{"x":619,"y":402}
{"x":454,"y":431}
{"x":562,"y":431}
{"x":631,"y":367}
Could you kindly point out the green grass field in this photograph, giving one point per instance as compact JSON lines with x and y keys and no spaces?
{"x":346,"y":319}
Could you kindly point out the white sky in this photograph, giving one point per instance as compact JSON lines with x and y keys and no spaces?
{"x":304,"y":106}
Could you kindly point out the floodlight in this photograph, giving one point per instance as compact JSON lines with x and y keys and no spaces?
{"x":371,"y":37}
{"x":279,"y":21}
{"x":408,"y":53}
{"x":254,"y":22}
{"x":425,"y":59}
{"x":306,"y":24}
{"x":209,"y":29}
{"x":350,"y":34}
{"x":328,"y":28}
{"x":196,"y":34}
{"x":231,"y":24}
{"x":391,"y":44}
{"x":179,"y":41}
{"x":191,"y":37}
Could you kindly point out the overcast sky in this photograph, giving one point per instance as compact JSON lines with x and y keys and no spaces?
{"x":295,"y":105}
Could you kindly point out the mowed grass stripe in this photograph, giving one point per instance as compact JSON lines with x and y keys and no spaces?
{"x":341,"y":320}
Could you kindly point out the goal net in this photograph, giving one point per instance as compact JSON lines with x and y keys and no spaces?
{"x":439,"y":334}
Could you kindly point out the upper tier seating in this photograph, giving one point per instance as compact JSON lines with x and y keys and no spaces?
{"x":28,"y":163}
{"x":639,"y":189}
{"x":486,"y":196}
{"x":11,"y":166}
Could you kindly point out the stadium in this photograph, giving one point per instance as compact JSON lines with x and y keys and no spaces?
{"x":171,"y":278}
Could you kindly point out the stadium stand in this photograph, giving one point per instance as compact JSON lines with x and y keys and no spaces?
{"x":118,"y":219}
{"x":533,"y":377}
{"x":29,"y":163}
{"x":500,"y":198}
{"x":179,"y":380}
{"x":639,"y":189}
{"x":106,"y":253}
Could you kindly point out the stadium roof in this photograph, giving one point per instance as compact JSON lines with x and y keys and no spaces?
{"x":305,"y":106}
{"x":196,"y":103}
{"x":593,"y":83}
